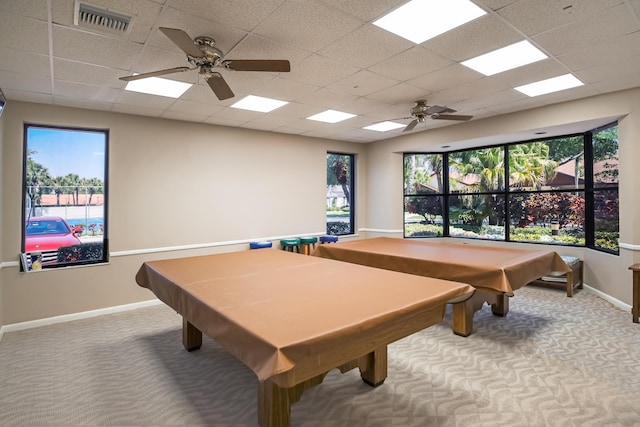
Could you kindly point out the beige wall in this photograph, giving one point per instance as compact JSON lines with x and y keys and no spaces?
{"x":171,"y":184}
{"x":607,"y":273}
{"x":176,"y":184}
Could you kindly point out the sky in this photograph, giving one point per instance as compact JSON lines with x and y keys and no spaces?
{"x":64,"y":151}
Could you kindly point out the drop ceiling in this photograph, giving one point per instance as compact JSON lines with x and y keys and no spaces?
{"x":339,"y":59}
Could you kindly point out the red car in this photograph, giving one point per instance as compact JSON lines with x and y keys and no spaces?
{"x":46,"y":235}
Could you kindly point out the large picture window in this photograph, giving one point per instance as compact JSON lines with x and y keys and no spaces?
{"x":65,"y":197}
{"x":561,"y":190}
{"x":340,"y":206}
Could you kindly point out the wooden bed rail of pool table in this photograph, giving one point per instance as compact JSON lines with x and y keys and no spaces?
{"x":291,"y":318}
{"x":494,"y":272}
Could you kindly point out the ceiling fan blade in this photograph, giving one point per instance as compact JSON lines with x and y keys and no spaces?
{"x":438,"y":109}
{"x":155,"y":73}
{"x":450,"y":117}
{"x":411,"y":125}
{"x":391,"y":120}
{"x":183,"y":41}
{"x":276,"y":65}
{"x":219,"y":86}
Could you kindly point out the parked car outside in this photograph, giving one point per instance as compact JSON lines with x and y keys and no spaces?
{"x":45,"y":235}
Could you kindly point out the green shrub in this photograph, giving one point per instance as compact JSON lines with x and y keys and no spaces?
{"x":422,"y":230}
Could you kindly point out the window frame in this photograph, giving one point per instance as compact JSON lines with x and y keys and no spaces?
{"x":351,"y":201}
{"x":588,"y":189}
{"x":105,"y":215}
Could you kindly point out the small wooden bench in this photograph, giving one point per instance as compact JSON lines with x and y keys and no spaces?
{"x":560,"y":279}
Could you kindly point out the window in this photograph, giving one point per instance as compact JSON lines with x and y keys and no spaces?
{"x":561,"y":190}
{"x":340,"y":212}
{"x":65,"y":196}
{"x":423,"y":195}
{"x":605,"y":189}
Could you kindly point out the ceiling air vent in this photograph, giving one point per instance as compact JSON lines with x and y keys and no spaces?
{"x":95,"y":18}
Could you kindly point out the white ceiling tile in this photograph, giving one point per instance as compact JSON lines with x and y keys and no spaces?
{"x":307,"y":24}
{"x":477,"y":37}
{"x":361,"y":68}
{"x":18,"y":82}
{"x":296,"y":110}
{"x":93,"y":49}
{"x":224,"y":121}
{"x":130,"y":108}
{"x":256,"y":47}
{"x":366,"y":10}
{"x":27,"y":63}
{"x":614,"y":22}
{"x":495,"y":4}
{"x":80,"y":72}
{"x":328,"y":98}
{"x":609,"y":51}
{"x":186,"y":117}
{"x":18,"y":32}
{"x":320,"y":71}
{"x":36,"y":9}
{"x":88,"y":104}
{"x":443,"y":78}
{"x":144,"y":100}
{"x":230,"y":11}
{"x":452,"y":95}
{"x":362,"y":83}
{"x":531,"y":73}
{"x":365,"y":46}
{"x":195,"y":108}
{"x":611,"y":71}
{"x":285,"y":90}
{"x":410,"y":64}
{"x":538,"y":16}
{"x":87,"y":92}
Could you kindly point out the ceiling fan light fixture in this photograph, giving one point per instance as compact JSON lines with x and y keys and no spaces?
{"x":331,"y":116}
{"x":258,"y":103}
{"x":421,"y":20}
{"x":158,"y":86}
{"x":554,"y":84}
{"x":506,"y":58}
{"x":384,"y":126}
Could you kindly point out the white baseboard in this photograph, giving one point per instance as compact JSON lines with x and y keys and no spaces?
{"x":76,"y":316}
{"x":614,"y":301}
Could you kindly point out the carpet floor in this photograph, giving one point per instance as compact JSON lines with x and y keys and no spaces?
{"x":552,"y":361}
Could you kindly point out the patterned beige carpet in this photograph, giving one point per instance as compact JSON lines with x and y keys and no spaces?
{"x":553,"y":361}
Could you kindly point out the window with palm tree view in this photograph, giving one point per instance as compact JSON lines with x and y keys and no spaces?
{"x":340,"y":194}
{"x":561,"y":190}
{"x":64,"y":196}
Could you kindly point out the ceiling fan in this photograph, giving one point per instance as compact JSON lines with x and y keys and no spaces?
{"x":421,"y":111}
{"x":203,"y":55}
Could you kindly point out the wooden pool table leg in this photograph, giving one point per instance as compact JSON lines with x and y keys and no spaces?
{"x":462,"y":319}
{"x":191,"y":336}
{"x":500,"y":305}
{"x":274,"y":402}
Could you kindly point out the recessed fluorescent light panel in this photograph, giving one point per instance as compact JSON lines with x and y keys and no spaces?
{"x":506,"y":58}
{"x":554,"y":84}
{"x":331,"y":116}
{"x":385,"y":126}
{"x":421,"y":20}
{"x":258,"y":103}
{"x":158,"y":86}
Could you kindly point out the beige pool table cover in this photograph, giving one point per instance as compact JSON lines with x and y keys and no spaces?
{"x":498,"y":269}
{"x":275,"y":310}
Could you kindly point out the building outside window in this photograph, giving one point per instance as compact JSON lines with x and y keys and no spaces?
{"x":65,"y":197}
{"x":340,"y":197}
{"x":561,"y":190}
